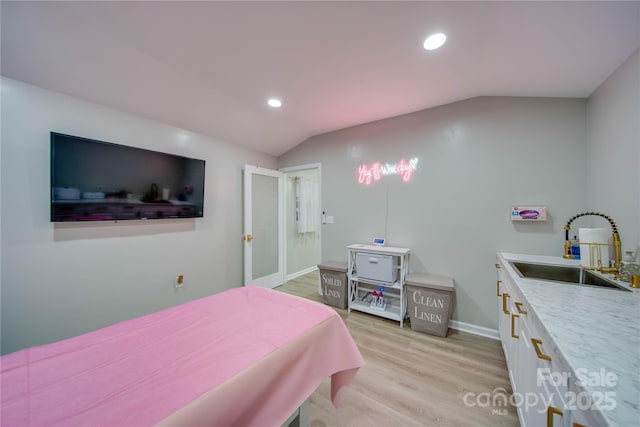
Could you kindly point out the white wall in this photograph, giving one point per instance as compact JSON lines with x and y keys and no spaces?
{"x":477,"y":158}
{"x":60,"y":280}
{"x":614,"y":150}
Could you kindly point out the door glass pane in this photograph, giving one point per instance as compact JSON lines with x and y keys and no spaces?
{"x":264,"y":207}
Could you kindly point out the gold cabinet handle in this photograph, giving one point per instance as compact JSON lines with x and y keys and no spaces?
{"x":505,"y":296}
{"x":498,"y":287}
{"x":519,"y":307}
{"x":513,"y":326}
{"x":248,"y":237}
{"x":551,"y":411}
{"x":539,"y":353}
{"x":497,"y":265}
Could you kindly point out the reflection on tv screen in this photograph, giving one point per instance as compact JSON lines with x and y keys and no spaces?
{"x":100,"y":181}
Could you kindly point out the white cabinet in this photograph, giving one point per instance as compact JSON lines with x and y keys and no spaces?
{"x":543,"y":386}
{"x":510,"y":312}
{"x":500,"y":285}
{"x":374,"y":269}
{"x":542,"y":378}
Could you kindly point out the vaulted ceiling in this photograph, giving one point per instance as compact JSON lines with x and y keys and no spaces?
{"x":209,"y":66}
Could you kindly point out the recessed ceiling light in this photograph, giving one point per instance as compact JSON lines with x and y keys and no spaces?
{"x":434,"y":41}
{"x":274,"y":102}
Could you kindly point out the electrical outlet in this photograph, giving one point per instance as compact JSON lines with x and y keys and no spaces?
{"x":180,"y":281}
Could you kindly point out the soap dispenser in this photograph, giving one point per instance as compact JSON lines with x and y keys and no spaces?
{"x":629,"y":267}
{"x":575,"y":248}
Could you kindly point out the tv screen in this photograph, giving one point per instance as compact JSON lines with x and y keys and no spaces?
{"x":101,"y":181}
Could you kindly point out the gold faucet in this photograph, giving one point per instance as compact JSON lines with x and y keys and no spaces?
{"x":617,"y":245}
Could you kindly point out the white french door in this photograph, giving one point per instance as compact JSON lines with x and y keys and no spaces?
{"x":263,"y":227}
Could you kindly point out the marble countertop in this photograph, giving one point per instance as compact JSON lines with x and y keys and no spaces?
{"x":594,"y":329}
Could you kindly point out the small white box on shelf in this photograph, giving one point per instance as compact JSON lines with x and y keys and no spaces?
{"x":381,"y":268}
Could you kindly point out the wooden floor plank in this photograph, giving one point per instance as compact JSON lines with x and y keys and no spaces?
{"x":411,"y":378}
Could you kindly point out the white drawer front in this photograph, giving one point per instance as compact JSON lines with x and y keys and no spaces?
{"x":377,"y":267}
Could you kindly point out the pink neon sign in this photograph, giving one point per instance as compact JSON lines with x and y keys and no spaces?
{"x":373,"y":173}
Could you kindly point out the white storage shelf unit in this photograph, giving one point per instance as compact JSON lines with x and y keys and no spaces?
{"x":371,"y":268}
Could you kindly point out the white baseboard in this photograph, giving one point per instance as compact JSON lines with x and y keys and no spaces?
{"x":475,"y":329}
{"x":302,"y":272}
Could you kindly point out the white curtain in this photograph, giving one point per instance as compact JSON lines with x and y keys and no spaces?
{"x":307,"y":208}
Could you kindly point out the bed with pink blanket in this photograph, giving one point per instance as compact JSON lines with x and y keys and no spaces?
{"x":244,"y":357}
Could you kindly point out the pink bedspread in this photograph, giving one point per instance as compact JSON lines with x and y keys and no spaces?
{"x":247,"y":356}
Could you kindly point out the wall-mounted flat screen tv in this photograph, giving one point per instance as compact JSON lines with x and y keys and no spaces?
{"x":102,"y":181}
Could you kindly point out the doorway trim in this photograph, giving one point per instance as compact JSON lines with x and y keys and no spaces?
{"x":288,"y":170}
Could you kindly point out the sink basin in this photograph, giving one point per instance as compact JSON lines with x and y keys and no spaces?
{"x":556,"y":273}
{"x":564,"y":274}
{"x":591,"y":278}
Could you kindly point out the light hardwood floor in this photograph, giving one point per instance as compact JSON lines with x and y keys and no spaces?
{"x":411,"y":378}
